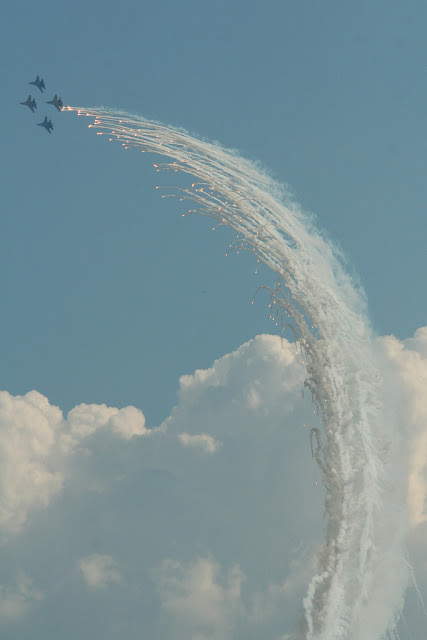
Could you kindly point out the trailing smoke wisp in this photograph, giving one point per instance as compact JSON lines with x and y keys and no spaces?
{"x":316,"y":298}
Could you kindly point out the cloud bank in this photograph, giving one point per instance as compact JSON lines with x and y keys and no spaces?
{"x":204,"y":528}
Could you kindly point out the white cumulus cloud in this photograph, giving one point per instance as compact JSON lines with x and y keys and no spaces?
{"x":29,"y":430}
{"x":199,"y":601}
{"x":260,"y":372}
{"x":16,"y":600}
{"x":201,"y":441}
{"x":99,"y":571}
{"x":85,"y":419}
{"x":407,"y":361}
{"x":35,"y":439}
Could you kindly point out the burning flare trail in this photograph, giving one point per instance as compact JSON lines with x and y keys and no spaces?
{"x":314,"y":296}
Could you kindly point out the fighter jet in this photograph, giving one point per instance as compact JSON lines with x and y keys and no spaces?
{"x":47,"y":124}
{"x":30,"y":103}
{"x":56,"y":102}
{"x":39,"y":83}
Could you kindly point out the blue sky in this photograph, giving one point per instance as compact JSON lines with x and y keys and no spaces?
{"x":103,"y":281}
{"x":329,"y":98}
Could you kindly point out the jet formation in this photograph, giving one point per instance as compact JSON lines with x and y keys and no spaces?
{"x":32,"y":104}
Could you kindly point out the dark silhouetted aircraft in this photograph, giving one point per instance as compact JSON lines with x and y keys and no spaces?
{"x":39,"y":83}
{"x":56,"y":102}
{"x":47,"y":124}
{"x":30,"y":103}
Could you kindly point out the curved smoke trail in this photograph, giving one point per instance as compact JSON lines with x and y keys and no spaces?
{"x":363,"y":549}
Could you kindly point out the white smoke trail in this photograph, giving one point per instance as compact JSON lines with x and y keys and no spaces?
{"x":358,"y":590}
